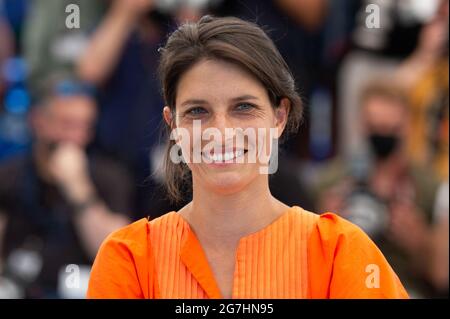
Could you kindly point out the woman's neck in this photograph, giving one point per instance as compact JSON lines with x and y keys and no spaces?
{"x":224,"y":219}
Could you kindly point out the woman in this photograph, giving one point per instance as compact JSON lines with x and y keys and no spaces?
{"x":234,"y":239}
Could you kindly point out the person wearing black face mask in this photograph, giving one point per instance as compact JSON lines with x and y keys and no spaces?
{"x":390,"y":197}
{"x":383,"y":145}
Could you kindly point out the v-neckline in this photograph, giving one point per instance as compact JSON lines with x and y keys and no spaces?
{"x":194,"y":257}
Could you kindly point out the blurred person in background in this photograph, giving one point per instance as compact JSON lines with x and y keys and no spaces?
{"x":58,"y":202}
{"x":377,"y":51}
{"x":385,"y":194}
{"x":425,"y":76}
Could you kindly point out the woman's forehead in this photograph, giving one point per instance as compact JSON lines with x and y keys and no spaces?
{"x":218,"y":80}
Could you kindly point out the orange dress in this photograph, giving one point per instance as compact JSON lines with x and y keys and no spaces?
{"x":299,"y":255}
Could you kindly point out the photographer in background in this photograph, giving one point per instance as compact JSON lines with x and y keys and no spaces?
{"x":383,"y":193}
{"x":58,"y":203}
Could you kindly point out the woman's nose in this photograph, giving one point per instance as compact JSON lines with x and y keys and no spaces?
{"x":221,"y":122}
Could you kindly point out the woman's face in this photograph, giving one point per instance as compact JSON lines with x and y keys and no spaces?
{"x":228,"y":117}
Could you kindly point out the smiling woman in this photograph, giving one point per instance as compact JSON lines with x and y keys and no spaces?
{"x":234,"y":239}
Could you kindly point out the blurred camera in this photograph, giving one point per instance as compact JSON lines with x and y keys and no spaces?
{"x":362,"y":206}
{"x":367,"y":211}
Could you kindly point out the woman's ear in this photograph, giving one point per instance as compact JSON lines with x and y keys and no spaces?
{"x":282,"y":114}
{"x":167,"y":114}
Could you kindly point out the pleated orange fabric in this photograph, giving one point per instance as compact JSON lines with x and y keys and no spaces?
{"x":299,"y":255}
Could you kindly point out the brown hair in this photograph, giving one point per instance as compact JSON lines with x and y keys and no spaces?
{"x":232,"y":40}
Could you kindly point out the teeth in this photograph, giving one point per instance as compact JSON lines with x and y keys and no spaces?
{"x":220,"y":157}
{"x":228,"y":156}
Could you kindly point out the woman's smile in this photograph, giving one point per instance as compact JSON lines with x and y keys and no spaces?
{"x":224,"y":157}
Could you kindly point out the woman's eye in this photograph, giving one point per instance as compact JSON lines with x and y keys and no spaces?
{"x":245,"y":107}
{"x":196,"y":111}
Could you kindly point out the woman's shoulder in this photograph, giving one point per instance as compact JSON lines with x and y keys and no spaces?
{"x":345,"y":263}
{"x":331,"y":225}
{"x":123,"y":267}
{"x":330,"y":234}
{"x":328,"y":225}
{"x":141,"y":228}
{"x":129,"y":232}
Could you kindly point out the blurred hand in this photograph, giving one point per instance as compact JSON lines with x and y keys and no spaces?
{"x":68,"y":166}
{"x":432,"y":38}
{"x":408,"y":227}
{"x":134,"y":7}
{"x":187,"y":14}
{"x":309,"y":13}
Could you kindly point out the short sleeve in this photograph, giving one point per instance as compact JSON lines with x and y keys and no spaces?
{"x":346,"y":264}
{"x":123,"y":266}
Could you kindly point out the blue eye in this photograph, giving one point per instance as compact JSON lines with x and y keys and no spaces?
{"x":195,"y":111}
{"x":245,"y":107}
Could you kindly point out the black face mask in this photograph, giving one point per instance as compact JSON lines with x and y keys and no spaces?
{"x":383,"y":145}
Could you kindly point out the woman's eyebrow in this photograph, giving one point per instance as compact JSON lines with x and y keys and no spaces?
{"x":233,"y":100}
{"x":244,"y":98}
{"x":194,"y":101}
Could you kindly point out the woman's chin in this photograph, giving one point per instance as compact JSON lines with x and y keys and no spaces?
{"x":227,"y":183}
